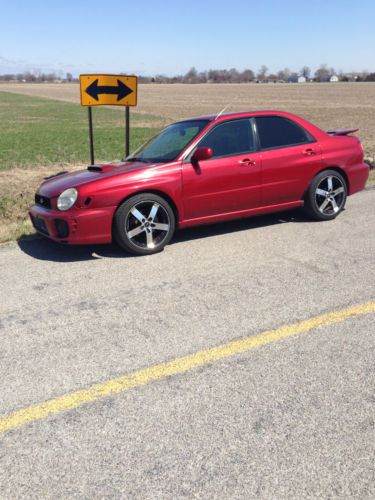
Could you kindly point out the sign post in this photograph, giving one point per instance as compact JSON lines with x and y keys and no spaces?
{"x":108,"y":90}
{"x":91,"y":134}
{"x":127,"y":131}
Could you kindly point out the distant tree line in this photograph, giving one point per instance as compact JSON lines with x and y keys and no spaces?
{"x":322,"y":74}
{"x":37,"y":77}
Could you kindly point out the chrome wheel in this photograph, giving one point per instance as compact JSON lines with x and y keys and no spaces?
{"x":330,"y":195}
{"x":147,"y":224}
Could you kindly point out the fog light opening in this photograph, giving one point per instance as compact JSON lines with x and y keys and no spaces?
{"x":62,"y":228}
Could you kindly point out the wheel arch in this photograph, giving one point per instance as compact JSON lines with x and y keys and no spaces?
{"x":342,"y":172}
{"x":162,"y":194}
{"x":339,"y":170}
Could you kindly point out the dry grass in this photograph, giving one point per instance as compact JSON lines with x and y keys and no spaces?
{"x":328,"y":105}
{"x":371,"y":179}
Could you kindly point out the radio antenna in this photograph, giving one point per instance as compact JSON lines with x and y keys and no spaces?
{"x":221,"y":112}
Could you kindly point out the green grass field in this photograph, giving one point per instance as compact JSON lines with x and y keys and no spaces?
{"x":40,"y":132}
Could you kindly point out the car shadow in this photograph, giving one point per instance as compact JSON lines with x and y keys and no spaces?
{"x":237,"y":225}
{"x":44,"y":249}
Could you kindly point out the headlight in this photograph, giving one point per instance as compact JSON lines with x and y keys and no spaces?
{"x":67,"y":199}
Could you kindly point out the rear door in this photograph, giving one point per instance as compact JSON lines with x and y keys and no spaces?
{"x":290,"y":157}
{"x":230,"y":180}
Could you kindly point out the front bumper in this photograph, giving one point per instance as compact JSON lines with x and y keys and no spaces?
{"x":75,"y":226}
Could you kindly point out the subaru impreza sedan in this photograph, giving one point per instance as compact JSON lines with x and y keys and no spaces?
{"x":201,"y":171}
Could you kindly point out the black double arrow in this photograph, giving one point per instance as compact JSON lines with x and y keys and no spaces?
{"x":121,"y":90}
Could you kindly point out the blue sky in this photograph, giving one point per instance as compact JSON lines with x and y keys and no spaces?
{"x":150,"y":37}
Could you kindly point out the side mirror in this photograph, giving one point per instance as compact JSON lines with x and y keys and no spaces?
{"x":201,"y":154}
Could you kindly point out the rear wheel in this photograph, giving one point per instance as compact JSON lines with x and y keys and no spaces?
{"x":144,"y":224}
{"x":326,"y":196}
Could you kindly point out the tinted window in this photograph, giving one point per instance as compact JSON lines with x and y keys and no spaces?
{"x":230,"y":138}
{"x":275,"y":131}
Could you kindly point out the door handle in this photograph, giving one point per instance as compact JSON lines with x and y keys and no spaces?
{"x":309,"y":152}
{"x":247,"y":162}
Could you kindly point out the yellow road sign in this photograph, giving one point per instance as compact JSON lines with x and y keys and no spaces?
{"x":113,"y":90}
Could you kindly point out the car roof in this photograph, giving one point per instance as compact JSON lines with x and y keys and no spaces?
{"x":237,"y":114}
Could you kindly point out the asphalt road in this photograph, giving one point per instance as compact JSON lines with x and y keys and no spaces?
{"x":292,"y":419}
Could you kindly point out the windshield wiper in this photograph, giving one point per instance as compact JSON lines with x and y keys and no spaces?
{"x":134,"y":158}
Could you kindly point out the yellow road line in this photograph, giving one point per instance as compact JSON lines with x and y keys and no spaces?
{"x":180,"y":365}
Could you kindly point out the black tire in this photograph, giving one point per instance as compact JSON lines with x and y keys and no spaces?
{"x":326,"y":195}
{"x":144,"y":224}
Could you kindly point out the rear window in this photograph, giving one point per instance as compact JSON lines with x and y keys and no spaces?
{"x":277,"y":132}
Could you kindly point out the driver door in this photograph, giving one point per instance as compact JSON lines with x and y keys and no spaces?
{"x":228,"y":182}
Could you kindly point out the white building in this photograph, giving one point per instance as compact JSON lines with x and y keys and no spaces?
{"x":301,"y":79}
{"x":334,"y":78}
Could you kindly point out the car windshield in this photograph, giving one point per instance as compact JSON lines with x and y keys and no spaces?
{"x":169,"y":143}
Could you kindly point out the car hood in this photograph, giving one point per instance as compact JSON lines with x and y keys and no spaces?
{"x":53,"y":186}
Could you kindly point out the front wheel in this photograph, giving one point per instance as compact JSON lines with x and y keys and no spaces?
{"x":326,"y":196}
{"x":144,"y":224}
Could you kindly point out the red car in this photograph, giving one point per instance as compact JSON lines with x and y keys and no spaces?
{"x":200,"y":171}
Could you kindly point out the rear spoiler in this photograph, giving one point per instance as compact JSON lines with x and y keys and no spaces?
{"x":345,"y":131}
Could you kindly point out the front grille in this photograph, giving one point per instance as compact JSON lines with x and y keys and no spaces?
{"x":42,"y":201}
